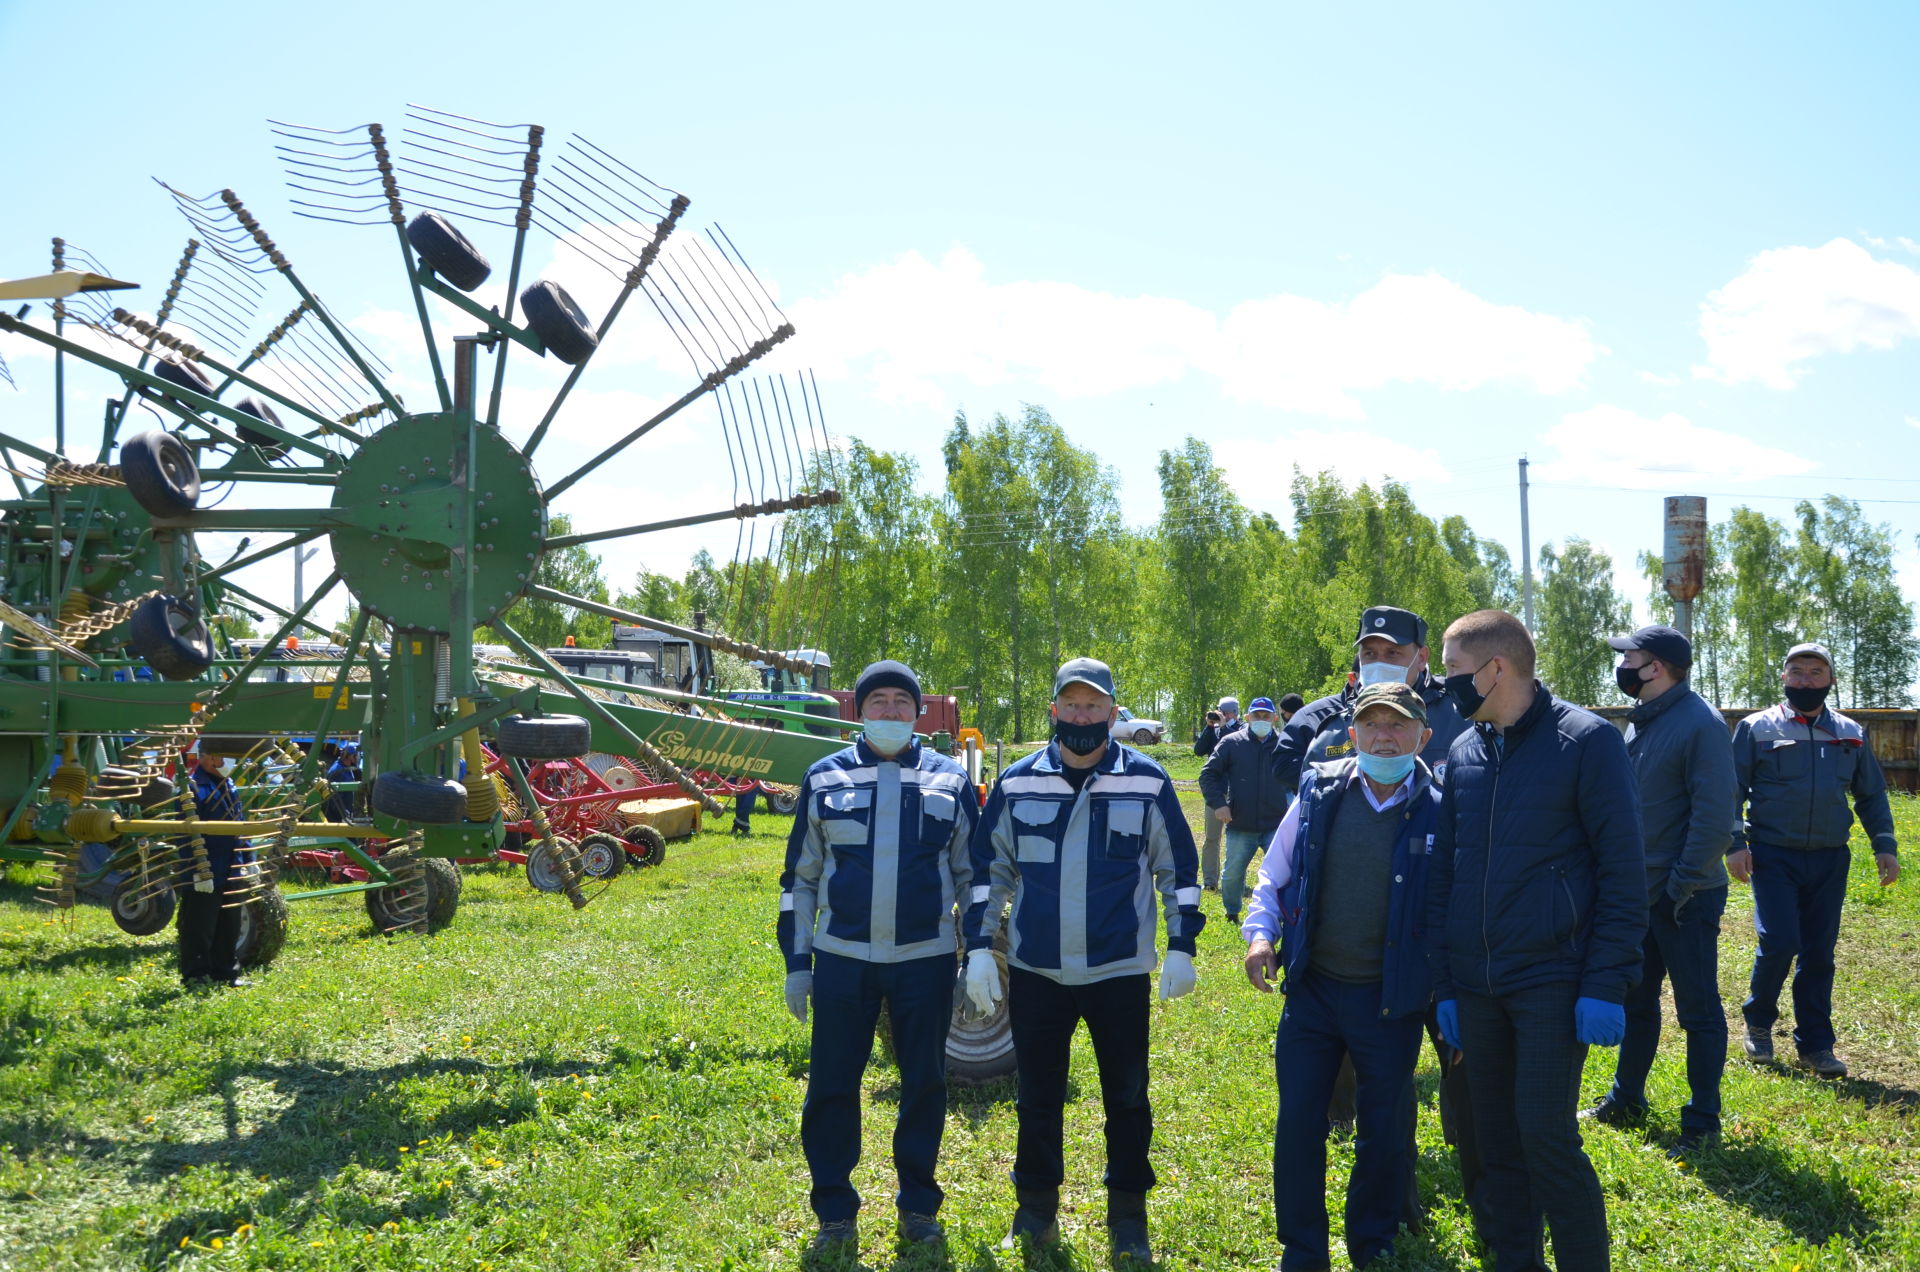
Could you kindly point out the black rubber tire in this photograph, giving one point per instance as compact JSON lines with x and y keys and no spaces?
{"x":543,"y":872}
{"x":561,"y":324}
{"x":186,"y":375}
{"x":560,"y":737}
{"x":235,"y":746}
{"x":646,"y":845}
{"x":603,"y":855}
{"x":981,"y":1051}
{"x":160,"y":790}
{"x":263,"y":929}
{"x":168,"y":633}
{"x":447,"y":252}
{"x":160,"y":473}
{"x":140,"y":909}
{"x":1143,"y":737}
{"x":417,"y":797}
{"x":784,"y":802}
{"x":443,"y":897}
{"x":263,"y":411}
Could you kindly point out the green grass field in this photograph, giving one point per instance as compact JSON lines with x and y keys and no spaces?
{"x":536,"y":1088}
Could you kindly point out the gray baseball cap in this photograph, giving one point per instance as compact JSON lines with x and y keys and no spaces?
{"x":1810,"y":649}
{"x":1084,"y":671}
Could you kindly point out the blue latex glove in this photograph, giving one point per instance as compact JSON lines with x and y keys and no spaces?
{"x":1599,"y":1023}
{"x":1449,"y":1013}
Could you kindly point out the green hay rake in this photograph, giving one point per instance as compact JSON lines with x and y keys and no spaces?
{"x":436,"y":519}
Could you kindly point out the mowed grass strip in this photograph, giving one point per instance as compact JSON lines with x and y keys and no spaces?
{"x":619,"y":1088}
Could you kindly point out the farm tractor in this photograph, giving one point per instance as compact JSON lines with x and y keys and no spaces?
{"x":115,"y":570}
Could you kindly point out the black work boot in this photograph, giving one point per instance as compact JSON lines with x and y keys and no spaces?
{"x":1127,"y":1228}
{"x":1035,"y":1218}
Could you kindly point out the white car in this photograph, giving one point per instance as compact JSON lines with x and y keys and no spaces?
{"x":1131,"y":728}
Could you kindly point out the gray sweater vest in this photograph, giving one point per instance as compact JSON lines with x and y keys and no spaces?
{"x":1356,"y":887}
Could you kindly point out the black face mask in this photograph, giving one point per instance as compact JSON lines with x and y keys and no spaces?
{"x":1081,"y":739}
{"x":1467,"y":699}
{"x":1628,"y":678}
{"x":1807,"y":701}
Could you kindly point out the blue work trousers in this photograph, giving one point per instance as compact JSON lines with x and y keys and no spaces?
{"x":1797,"y":894}
{"x":1685,"y":950}
{"x":1523,"y":1067}
{"x":1324,"y":1022}
{"x":847,"y":994}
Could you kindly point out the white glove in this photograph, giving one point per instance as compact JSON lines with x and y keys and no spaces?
{"x":1176,"y":975}
{"x":799,"y":988}
{"x":983,"y":982}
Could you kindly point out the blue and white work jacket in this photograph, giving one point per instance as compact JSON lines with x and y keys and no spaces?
{"x":878,"y":857}
{"x":1081,"y":868}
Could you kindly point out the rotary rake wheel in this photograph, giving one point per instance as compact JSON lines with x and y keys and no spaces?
{"x":436,"y":518}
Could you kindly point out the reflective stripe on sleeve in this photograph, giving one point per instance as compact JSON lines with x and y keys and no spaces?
{"x":1186,"y":896}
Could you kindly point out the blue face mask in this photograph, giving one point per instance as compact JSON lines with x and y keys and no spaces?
{"x":1260,"y":728}
{"x":888,"y":736}
{"x":1380,"y":673}
{"x":1391,"y":769}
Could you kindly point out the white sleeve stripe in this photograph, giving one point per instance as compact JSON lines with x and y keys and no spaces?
{"x":1187,"y":896}
{"x":786,"y":902}
{"x":980,"y":893}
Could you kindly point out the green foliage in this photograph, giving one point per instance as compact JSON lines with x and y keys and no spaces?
{"x":1578,"y":609}
{"x":547,"y":624}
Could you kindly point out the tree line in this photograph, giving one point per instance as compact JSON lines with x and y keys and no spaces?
{"x":1025,"y":559}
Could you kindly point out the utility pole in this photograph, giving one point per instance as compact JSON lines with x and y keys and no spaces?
{"x":1526,"y":552}
{"x":300,"y":557}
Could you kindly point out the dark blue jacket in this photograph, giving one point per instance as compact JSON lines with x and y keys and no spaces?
{"x":217,"y":799}
{"x":1239,"y":776}
{"x":1683,"y":762}
{"x":1318,"y":731}
{"x":1538,"y":874}
{"x":1794,"y":778}
{"x":1406,"y":983}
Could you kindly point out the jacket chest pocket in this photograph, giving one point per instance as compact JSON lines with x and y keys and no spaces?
{"x":844,"y":816}
{"x":1036,"y":830}
{"x":1126,"y":830}
{"x":937,"y":812}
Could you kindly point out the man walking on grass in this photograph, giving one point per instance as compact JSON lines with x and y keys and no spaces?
{"x":1683,"y":764}
{"x":1242,"y":793}
{"x":877,"y":860}
{"x":1796,"y":764}
{"x":1536,"y":907}
{"x":1080,"y":837}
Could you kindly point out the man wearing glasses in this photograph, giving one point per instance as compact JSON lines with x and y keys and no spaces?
{"x":1079,"y":837}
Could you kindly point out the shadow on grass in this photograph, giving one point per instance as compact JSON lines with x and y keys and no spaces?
{"x":1813,"y":1205}
{"x":1868,"y":1091}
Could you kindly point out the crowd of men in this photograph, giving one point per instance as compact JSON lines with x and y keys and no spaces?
{"x":1467,"y":857}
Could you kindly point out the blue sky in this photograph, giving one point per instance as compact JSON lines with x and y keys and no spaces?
{"x":1660,"y":249}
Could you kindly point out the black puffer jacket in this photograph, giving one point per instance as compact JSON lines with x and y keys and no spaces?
{"x":1538,"y":874}
{"x":1239,"y":776}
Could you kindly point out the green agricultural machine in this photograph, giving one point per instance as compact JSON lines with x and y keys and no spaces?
{"x":112,"y":662}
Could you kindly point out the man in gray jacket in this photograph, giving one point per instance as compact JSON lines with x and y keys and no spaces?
{"x":1683,"y":762}
{"x":1796,"y":763}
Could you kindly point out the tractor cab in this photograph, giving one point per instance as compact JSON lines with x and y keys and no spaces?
{"x":621,"y":666}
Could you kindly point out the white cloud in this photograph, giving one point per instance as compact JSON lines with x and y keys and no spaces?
{"x":912,"y":326}
{"x":1612,"y":446}
{"x":1797,"y":303}
{"x":1259,"y":469}
{"x":1662,"y":381}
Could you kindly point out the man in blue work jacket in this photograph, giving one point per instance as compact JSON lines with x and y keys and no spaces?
{"x":1536,"y":908}
{"x":1342,"y":891}
{"x":1080,"y":837}
{"x":877,"y":861}
{"x":208,"y":924}
{"x":1683,"y":765}
{"x":1796,"y":763}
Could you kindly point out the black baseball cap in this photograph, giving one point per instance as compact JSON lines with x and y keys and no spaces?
{"x":1664,"y":643}
{"x":1084,"y":671}
{"x":1402,"y":627}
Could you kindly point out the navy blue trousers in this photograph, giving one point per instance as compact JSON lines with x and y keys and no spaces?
{"x":1325,"y":1021}
{"x":1523,"y":1067}
{"x":847,"y":993}
{"x":1687,"y":951}
{"x":1797,"y":896}
{"x":1044,"y":1015}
